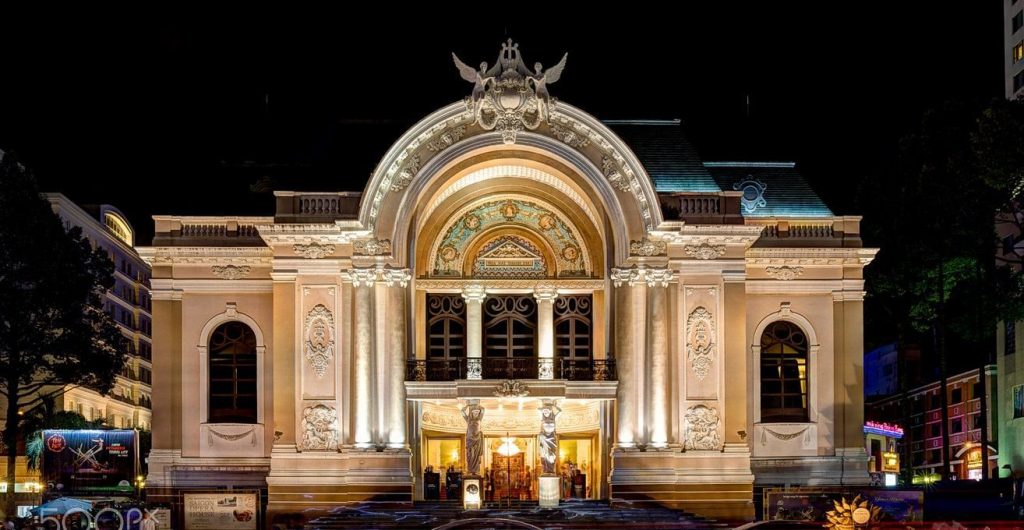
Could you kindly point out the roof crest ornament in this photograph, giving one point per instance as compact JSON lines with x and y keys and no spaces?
{"x":508,"y":97}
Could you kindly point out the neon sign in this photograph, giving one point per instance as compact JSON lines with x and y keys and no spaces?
{"x":884,"y":429}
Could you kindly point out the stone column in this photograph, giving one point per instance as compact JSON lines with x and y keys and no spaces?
{"x":736,"y":354}
{"x":474,"y":295}
{"x":362,"y":355}
{"x":546,"y":331}
{"x":627,"y":396}
{"x":286,"y":400}
{"x":659,"y":366}
{"x":397,"y":280}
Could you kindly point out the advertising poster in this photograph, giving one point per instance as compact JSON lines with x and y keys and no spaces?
{"x":1018,"y":401}
{"x":229,"y":510}
{"x":90,"y":462}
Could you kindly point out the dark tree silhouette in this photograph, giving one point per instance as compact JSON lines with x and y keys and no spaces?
{"x":54,"y":334}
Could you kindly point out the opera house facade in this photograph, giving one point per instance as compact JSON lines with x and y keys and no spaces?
{"x":520,"y":291}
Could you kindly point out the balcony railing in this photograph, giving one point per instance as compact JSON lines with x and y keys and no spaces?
{"x":510,"y":368}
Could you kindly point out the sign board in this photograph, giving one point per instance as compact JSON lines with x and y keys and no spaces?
{"x":230,"y":510}
{"x":890,"y":462}
{"x":90,"y":462}
{"x":811,"y":504}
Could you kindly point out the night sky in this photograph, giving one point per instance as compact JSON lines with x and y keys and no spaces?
{"x":183,"y":112}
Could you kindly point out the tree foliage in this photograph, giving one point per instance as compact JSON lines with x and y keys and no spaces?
{"x":54,"y":333}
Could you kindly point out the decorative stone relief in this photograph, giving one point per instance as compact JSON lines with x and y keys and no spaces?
{"x":392,"y":276}
{"x":704,"y":251}
{"x":447,"y":138}
{"x":251,"y":434}
{"x":372,"y":247}
{"x":784,"y":272}
{"x":655,"y":277}
{"x":628,"y":276}
{"x":313,"y":250}
{"x":319,"y":339}
{"x":646,"y":247}
{"x":570,"y":137}
{"x":781,"y":436}
{"x":230,"y":272}
{"x":508,"y":97}
{"x":612,"y":173}
{"x":361,"y":277}
{"x":702,"y":424}
{"x":510,"y":388}
{"x":405,"y":176}
{"x":319,"y":428}
{"x":700,"y":341}
{"x":548,"y":436}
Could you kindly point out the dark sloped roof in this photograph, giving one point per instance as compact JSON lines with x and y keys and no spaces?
{"x":670,"y":159}
{"x":785,"y":192}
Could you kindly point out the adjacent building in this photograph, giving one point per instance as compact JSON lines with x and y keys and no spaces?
{"x":917,"y":417}
{"x":1013,"y":46}
{"x":677,"y":331}
{"x":128,"y":302}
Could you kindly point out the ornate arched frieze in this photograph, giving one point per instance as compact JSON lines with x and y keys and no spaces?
{"x":449,"y":252}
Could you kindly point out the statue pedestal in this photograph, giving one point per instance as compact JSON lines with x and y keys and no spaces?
{"x":548,"y":489}
{"x":472,"y":493}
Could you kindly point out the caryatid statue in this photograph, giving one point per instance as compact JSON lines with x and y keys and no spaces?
{"x":548,"y":437}
{"x":473,"y":413}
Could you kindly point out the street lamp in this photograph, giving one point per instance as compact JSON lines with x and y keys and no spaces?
{"x":140,"y":482}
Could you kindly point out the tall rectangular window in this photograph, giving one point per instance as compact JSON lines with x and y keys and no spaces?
{"x":1017,"y":21}
{"x":1018,"y":81}
{"x":1010,"y":337}
{"x":1018,"y":52}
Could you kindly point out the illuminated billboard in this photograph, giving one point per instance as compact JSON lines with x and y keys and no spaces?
{"x":84,"y":462}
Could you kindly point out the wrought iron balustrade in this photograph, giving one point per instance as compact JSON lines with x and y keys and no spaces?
{"x":509,"y":368}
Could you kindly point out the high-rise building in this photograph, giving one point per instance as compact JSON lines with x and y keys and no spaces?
{"x":128,"y":302}
{"x":1013,"y":45}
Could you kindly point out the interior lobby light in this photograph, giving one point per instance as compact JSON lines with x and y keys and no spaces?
{"x":508,"y":447}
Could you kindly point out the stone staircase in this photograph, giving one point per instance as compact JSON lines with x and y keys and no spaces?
{"x":573,"y":514}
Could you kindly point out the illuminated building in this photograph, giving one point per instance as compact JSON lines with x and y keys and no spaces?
{"x":697,"y":325}
{"x":920,"y":417}
{"x":128,"y":302}
{"x":1013,"y":46}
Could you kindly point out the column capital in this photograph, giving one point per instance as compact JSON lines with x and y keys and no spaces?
{"x":361,"y":276}
{"x":848,"y":296}
{"x":652,"y":276}
{"x":474,"y":293}
{"x":545,"y":293}
{"x":392,"y":276}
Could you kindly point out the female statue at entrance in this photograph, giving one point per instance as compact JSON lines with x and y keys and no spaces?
{"x":473,"y":413}
{"x":548,"y":439}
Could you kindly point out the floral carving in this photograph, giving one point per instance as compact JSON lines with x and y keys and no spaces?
{"x":231,"y":272}
{"x":702,"y":429}
{"x":646,"y":247}
{"x":612,"y":173}
{"x":446,"y":139}
{"x":313,"y":250}
{"x":406,"y":174}
{"x":700,"y":344}
{"x":319,"y":338}
{"x":319,"y":428}
{"x":784,"y":272}
{"x":512,"y":388}
{"x":569,"y":136}
{"x":753,"y":194}
{"x":704,"y":251}
{"x":372,"y":247}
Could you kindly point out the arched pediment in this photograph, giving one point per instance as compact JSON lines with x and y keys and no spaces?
{"x":611,"y":174}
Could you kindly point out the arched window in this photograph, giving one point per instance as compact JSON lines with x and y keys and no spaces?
{"x":783,"y":373}
{"x":233,"y":391}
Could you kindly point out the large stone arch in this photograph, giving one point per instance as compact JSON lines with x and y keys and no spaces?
{"x":610,"y":173}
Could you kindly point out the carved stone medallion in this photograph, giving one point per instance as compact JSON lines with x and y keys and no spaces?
{"x":700,"y":341}
{"x":319,"y":339}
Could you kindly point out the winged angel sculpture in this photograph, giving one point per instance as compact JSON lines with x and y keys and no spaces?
{"x":509,"y":97}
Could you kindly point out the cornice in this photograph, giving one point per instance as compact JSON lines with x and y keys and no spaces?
{"x":434,"y":284}
{"x":206,"y":255}
{"x":211,"y":285}
{"x":810,"y":256}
